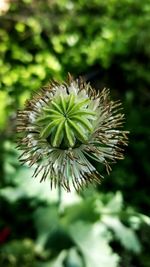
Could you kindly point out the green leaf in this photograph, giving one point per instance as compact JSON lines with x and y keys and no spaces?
{"x":115,"y":204}
{"x":57,"y":262}
{"x":74,"y":259}
{"x":26,"y":187}
{"x":125,"y":235}
{"x":92,"y":240}
{"x":46,"y":222}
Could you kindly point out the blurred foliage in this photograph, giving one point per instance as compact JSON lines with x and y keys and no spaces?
{"x":77,"y":233}
{"x":107,"y":42}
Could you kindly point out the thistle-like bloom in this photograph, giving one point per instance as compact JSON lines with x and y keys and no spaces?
{"x":67,"y":127}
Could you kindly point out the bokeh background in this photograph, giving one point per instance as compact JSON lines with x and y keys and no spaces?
{"x":108,"y":43}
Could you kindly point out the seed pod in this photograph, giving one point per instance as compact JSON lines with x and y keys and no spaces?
{"x":63,"y":129}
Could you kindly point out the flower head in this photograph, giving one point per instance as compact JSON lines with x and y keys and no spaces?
{"x":65,"y":127}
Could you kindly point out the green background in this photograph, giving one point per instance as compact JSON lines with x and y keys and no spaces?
{"x":108,"y":43}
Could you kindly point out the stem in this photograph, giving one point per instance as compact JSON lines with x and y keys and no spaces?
{"x":59,"y":196}
{"x":59,"y":203}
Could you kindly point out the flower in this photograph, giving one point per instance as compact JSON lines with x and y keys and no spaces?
{"x":66,"y":127}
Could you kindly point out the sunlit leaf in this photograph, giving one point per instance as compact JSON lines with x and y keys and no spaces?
{"x":92,"y":241}
{"x":124,"y":234}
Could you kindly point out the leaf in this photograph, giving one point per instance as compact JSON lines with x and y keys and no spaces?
{"x":92,"y":240}
{"x":46,"y":222}
{"x":27,"y":187}
{"x":144,"y":218}
{"x":115,"y":204}
{"x":57,"y":262}
{"x":74,"y":259}
{"x":125,"y":235}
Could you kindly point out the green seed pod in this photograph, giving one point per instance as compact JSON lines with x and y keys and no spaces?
{"x":65,"y":127}
{"x":69,"y":123}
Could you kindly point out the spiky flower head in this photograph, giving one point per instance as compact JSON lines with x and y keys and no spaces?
{"x":67,"y":127}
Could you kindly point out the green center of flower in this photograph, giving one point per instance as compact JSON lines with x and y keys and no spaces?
{"x":67,"y":121}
